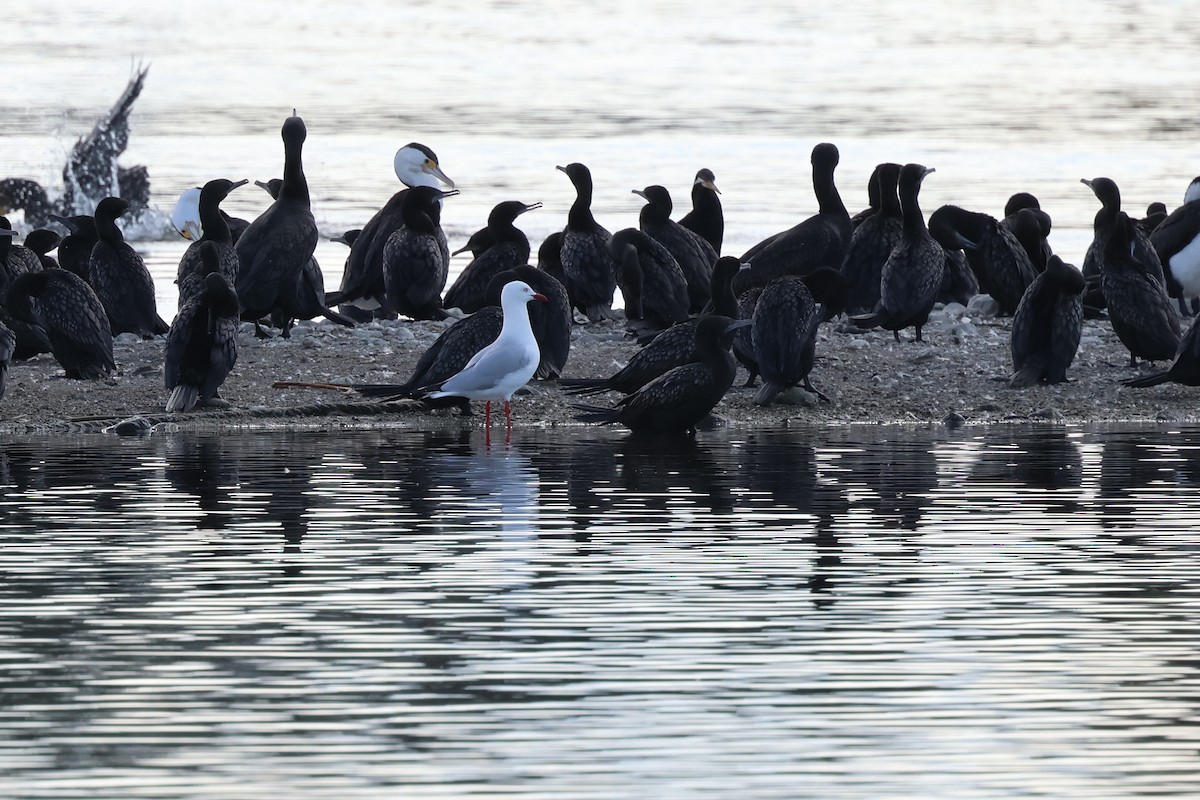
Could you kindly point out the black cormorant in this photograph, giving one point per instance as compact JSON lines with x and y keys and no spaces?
{"x":416,"y":261}
{"x":68,"y":310}
{"x":1105,"y":224}
{"x":653,"y":285}
{"x":586,"y":259}
{"x":120,"y":277}
{"x":277,"y":246}
{"x":873,"y":240}
{"x":680,"y":398}
{"x":706,"y":218}
{"x":41,"y":241}
{"x":75,"y":249}
{"x":819,"y":241}
{"x":15,"y":259}
{"x":549,"y":257}
{"x":913,"y":272}
{"x":692,"y":252}
{"x":214,"y":229}
{"x":1142,"y":315}
{"x":1184,"y":369}
{"x":8,"y":346}
{"x":551,"y":321}
{"x":1047,"y":325}
{"x":202,"y":343}
{"x":783,"y":329}
{"x":507,"y":247}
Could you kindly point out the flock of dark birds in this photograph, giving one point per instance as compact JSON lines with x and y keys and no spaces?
{"x":697,"y":313}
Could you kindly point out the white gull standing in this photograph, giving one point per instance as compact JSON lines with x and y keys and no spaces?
{"x":505,"y":365}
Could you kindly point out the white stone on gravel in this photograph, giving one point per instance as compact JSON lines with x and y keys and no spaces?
{"x":983,"y":305}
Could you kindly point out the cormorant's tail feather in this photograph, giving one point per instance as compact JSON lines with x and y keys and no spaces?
{"x":767,"y":393}
{"x":604,"y":416}
{"x":334,"y":316}
{"x":600,"y":311}
{"x":160,"y":326}
{"x":1026,"y":376}
{"x":1148,"y":380}
{"x":183,"y":398}
{"x":583,"y":386}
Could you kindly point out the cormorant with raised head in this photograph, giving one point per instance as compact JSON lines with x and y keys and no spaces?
{"x":913,"y":272}
{"x":872,"y":241}
{"x":416,"y":261}
{"x":1047,"y":326}
{"x":120,"y":278}
{"x":707,"y":218}
{"x":277,"y":246}
{"x":586,"y":259}
{"x":692,"y":252}
{"x":680,"y":398}
{"x":1142,"y":315}
{"x":507,"y":247}
{"x":819,"y":241}
{"x":214,"y":228}
{"x":202,"y":343}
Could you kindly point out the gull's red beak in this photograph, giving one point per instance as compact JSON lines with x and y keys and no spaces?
{"x":542,"y":297}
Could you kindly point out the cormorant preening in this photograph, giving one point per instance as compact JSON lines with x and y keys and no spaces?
{"x":819,"y":241}
{"x":783,"y":329}
{"x":1000,"y":263}
{"x":549,"y":257}
{"x":692,"y":252}
{"x":707,"y":219}
{"x":653,"y":285}
{"x":68,"y":310}
{"x":680,"y":398}
{"x":913,"y":272}
{"x":120,"y":277}
{"x":586,"y":260}
{"x":202,"y":343}
{"x":1142,"y":314}
{"x":507,"y":247}
{"x":214,"y":228}
{"x":1019,"y":202}
{"x":277,"y":246}
{"x":362,"y":278}
{"x":416,"y":261}
{"x":1047,"y":325}
{"x":872,"y":241}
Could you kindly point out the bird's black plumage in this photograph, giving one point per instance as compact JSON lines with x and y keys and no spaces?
{"x":1019,"y":202}
{"x":68,"y":310}
{"x":41,"y":241}
{"x":680,"y":398}
{"x":14,"y":259}
{"x":1185,"y":367}
{"x":191,"y":271}
{"x":1000,"y":263}
{"x":30,"y":197}
{"x":653,"y":285}
{"x":276,"y":247}
{"x":1142,"y":315}
{"x":692,"y":252}
{"x":8,"y":346}
{"x":783,"y":329}
{"x":585,"y":256}
{"x":120,"y":278}
{"x":551,"y":321}
{"x":506,"y":247}
{"x":416,"y":261}
{"x":549,"y":257}
{"x":1047,"y":325}
{"x":1105,"y":225}
{"x":707,"y":217}
{"x":819,"y":241}
{"x":75,"y":249}
{"x":872,"y":241}
{"x":913,"y":272}
{"x":202,"y":343}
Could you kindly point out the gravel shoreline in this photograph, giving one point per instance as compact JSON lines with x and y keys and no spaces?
{"x":958,"y":375}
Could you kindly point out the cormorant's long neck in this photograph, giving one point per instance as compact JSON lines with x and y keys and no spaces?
{"x":107,"y":231}
{"x":580,"y":217}
{"x":914,"y":220}
{"x":216,"y":229}
{"x":5,"y":248}
{"x":889,"y":201}
{"x":828,"y":198}
{"x":295,"y":185}
{"x":1106,"y":217}
{"x":724,"y":301}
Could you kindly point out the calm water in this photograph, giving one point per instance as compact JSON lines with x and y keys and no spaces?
{"x":861,"y":613}
{"x":1033,"y":98}
{"x":858,"y":613}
